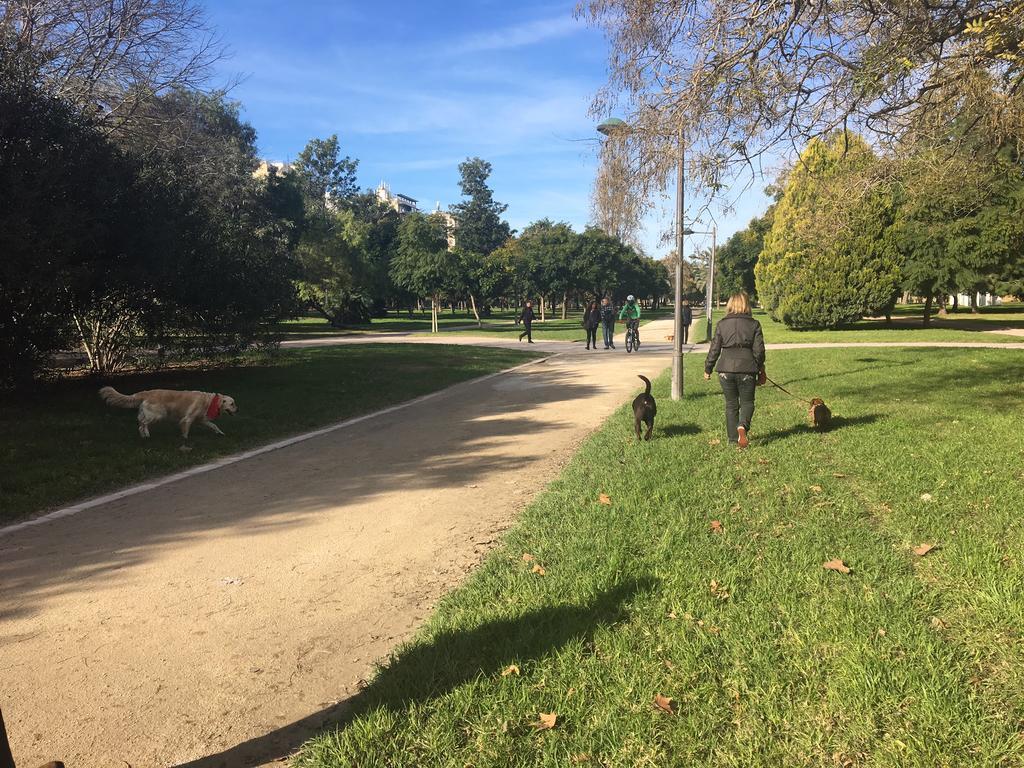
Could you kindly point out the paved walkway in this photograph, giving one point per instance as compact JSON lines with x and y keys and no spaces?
{"x":218,"y":621}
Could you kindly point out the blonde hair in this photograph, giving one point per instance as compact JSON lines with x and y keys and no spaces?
{"x":738,"y":304}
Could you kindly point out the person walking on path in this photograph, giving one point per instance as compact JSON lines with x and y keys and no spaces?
{"x":608,"y":322}
{"x":527,"y":317}
{"x":591,"y":319}
{"x":738,"y":349}
{"x":687,"y":320}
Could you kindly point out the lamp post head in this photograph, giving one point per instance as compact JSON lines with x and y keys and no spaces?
{"x":612,"y":126}
{"x":689,"y":231}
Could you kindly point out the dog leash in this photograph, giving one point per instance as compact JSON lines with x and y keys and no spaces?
{"x":779,"y":386}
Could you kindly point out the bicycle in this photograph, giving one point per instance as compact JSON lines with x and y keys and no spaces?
{"x":632,"y":335}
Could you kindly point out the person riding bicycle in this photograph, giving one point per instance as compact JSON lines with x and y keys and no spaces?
{"x":630,"y":312}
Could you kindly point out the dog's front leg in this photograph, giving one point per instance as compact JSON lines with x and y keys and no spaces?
{"x":186,"y":425}
{"x":213,"y":426}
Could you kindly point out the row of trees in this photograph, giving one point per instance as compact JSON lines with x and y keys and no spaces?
{"x":851,"y":230}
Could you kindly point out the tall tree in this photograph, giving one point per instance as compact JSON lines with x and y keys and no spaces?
{"x":825,"y":261}
{"x":479,"y":228}
{"x":737,"y":259}
{"x":423,"y":264}
{"x":548,"y":250}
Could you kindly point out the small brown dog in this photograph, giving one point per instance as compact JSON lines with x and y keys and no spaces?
{"x":186,"y":407}
{"x":645,"y":408}
{"x":819,"y":414}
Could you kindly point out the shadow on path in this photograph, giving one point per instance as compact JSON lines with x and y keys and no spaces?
{"x":432,"y":667}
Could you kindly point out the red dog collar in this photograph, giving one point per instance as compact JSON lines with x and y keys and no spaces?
{"x":214,"y":410}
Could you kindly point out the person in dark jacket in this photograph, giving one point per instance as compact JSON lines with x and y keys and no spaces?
{"x":738,"y":349}
{"x":608,"y":322}
{"x":687,"y":320}
{"x":592,"y":319}
{"x":527,"y":317}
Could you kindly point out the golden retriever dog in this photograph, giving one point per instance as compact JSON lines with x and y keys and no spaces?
{"x":186,"y":407}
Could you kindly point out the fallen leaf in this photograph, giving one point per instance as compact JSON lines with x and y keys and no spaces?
{"x":938,"y":623}
{"x":923,"y":550}
{"x":185,"y":448}
{"x":538,"y":569}
{"x":546,"y":722}
{"x":604,"y":498}
{"x":719,"y":590}
{"x":814,"y":488}
{"x":528,"y":558}
{"x":672,"y":615}
{"x":881,"y":632}
{"x":838,"y":474}
{"x":716,"y":441}
{"x":716,"y":526}
{"x":668,"y":664}
{"x":664,"y":703}
{"x":736,"y":508}
{"x":926,"y":497}
{"x":835,"y":565}
{"x":511,"y":669}
{"x":582,"y":757}
{"x":670,"y":338}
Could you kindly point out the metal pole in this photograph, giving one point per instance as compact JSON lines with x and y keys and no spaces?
{"x":711,"y":279}
{"x":677,"y":341}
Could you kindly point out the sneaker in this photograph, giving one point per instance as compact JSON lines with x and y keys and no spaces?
{"x":742,"y":441}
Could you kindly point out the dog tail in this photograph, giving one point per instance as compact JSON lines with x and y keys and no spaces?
{"x":648,"y":383}
{"x":112,"y":397}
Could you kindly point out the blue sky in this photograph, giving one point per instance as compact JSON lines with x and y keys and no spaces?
{"x":412,"y":89}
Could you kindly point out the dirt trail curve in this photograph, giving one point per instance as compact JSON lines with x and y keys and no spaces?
{"x":217,"y":620}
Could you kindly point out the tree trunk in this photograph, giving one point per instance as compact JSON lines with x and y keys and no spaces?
{"x":435,"y":303}
{"x":928,"y":308}
{"x":974,"y":302}
{"x":476,"y":314}
{"x":542,"y":317}
{"x":956,"y":302}
{"x":565,"y":304}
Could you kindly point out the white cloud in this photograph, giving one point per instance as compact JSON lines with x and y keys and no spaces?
{"x":519,"y":35}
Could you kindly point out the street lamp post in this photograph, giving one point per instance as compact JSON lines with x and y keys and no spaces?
{"x":614,"y":125}
{"x":709,"y":284}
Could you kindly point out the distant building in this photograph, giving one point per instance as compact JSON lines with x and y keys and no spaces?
{"x":263,"y":170}
{"x":401,"y":203}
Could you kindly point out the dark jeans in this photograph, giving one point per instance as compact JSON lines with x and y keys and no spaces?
{"x":528,"y":333}
{"x":592,"y":336}
{"x":609,"y":333}
{"x":738,"y":389}
{"x":686,"y":331}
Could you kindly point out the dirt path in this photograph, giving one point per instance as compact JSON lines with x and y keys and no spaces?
{"x":218,"y":620}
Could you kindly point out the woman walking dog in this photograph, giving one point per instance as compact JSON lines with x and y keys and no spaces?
{"x":738,"y":349}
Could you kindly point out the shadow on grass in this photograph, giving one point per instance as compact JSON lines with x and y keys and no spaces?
{"x":680,"y":430}
{"x":838,"y":422}
{"x":432,"y":667}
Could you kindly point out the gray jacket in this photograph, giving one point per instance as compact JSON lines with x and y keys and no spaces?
{"x":738,"y":346}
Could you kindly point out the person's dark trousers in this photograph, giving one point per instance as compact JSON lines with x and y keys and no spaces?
{"x":738,"y":389}
{"x":528,"y":333}
{"x":609,"y":334}
{"x":686,"y":333}
{"x":592,"y":337}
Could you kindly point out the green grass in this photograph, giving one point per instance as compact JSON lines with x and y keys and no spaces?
{"x":311,"y":326}
{"x":906,"y":326}
{"x":907,"y":661}
{"x":62,"y":443}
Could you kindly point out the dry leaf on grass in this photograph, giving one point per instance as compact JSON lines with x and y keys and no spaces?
{"x":668,"y":664}
{"x":604,"y":498}
{"x":582,"y":757}
{"x":719,"y":590}
{"x":814,"y":488}
{"x":528,"y":558}
{"x":538,"y":569}
{"x":926,"y":497}
{"x":923,"y":550}
{"x":835,"y":565}
{"x":511,"y":669}
{"x":664,"y":703}
{"x":672,"y":615}
{"x":838,"y":474}
{"x":716,"y":526}
{"x":716,"y":441}
{"x":546,"y":722}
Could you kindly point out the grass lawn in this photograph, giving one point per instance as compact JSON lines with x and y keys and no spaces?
{"x":962,"y":326}
{"x":769,"y":660}
{"x":62,"y":443}
{"x":311,"y":326}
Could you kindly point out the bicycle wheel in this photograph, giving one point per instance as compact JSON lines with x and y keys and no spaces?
{"x":629,"y":340}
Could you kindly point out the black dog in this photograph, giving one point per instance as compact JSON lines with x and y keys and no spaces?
{"x":644,"y":410}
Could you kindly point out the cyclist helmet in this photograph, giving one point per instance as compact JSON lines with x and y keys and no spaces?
{"x":631,"y":298}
